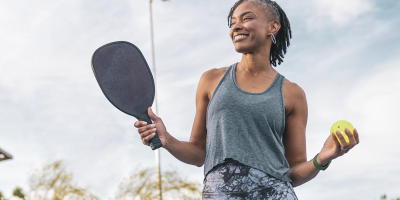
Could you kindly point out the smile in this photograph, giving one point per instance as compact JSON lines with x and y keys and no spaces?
{"x":239,"y":38}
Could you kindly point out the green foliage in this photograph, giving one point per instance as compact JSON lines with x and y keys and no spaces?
{"x":2,"y":196}
{"x":384,"y":197}
{"x":53,"y":182}
{"x":143,"y":184}
{"x":18,"y":193}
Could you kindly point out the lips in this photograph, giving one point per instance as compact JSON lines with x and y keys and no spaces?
{"x":240,"y":37}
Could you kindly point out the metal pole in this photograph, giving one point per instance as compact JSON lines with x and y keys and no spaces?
{"x":157,"y":152}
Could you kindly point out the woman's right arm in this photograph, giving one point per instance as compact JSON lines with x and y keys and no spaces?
{"x":191,"y":152}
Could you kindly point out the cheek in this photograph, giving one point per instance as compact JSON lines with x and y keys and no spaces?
{"x":261,"y":32}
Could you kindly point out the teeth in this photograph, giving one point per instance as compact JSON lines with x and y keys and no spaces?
{"x":240,"y":36}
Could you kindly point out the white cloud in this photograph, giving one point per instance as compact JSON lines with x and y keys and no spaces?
{"x":342,"y":11}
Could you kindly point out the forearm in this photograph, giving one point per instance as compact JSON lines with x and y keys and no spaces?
{"x":304,"y":172}
{"x":187,"y":152}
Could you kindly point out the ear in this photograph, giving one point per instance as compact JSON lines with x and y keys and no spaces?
{"x":274,"y":27}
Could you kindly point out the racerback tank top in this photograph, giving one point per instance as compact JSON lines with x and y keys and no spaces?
{"x":246,"y":126}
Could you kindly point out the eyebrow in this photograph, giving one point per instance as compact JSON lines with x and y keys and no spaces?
{"x":245,"y":14}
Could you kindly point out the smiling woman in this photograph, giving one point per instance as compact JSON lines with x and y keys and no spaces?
{"x":250,"y":123}
{"x":272,"y":12}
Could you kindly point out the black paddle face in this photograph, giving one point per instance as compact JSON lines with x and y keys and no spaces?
{"x":126,"y":80}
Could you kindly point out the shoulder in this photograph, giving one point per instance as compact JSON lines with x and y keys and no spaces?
{"x":294,"y":95}
{"x":213,"y":73}
{"x":293,"y":88}
{"x":210,"y":79}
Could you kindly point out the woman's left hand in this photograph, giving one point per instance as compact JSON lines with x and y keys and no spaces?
{"x":332,"y":148}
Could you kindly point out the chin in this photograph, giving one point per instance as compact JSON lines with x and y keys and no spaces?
{"x":243,"y":49}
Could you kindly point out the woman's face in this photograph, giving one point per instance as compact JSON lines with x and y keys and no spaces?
{"x":249,"y":28}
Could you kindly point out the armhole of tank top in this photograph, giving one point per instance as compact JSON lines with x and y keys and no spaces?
{"x":283,"y":105}
{"x":216,"y":89}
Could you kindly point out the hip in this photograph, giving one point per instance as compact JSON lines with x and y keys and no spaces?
{"x":234,"y":180}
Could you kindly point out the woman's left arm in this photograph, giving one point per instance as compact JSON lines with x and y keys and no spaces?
{"x":294,"y":140}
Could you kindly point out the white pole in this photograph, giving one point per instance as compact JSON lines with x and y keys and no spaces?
{"x":157,"y":151}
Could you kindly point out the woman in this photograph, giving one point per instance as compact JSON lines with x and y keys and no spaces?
{"x":249,"y":128}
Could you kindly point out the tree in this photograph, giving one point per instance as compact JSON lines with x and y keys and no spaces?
{"x":2,"y":196}
{"x":143,"y":183}
{"x":18,"y":193}
{"x":384,"y":197}
{"x":53,"y":182}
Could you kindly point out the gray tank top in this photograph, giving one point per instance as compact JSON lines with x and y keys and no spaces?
{"x":247,"y":127}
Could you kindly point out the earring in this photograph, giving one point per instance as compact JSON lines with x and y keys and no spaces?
{"x":273,"y":38}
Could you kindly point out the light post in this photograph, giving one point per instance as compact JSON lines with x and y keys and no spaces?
{"x":4,"y":155}
{"x":153,"y":68}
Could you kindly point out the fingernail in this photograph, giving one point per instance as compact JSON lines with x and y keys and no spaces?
{"x":144,"y":123}
{"x":153,"y":125}
{"x":154,"y":129}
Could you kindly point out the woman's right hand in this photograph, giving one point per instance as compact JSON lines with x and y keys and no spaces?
{"x":147,"y":131}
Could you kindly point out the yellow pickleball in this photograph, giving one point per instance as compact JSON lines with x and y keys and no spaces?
{"x":340,"y":126}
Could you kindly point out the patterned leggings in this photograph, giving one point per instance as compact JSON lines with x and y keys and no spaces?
{"x":235,"y":181}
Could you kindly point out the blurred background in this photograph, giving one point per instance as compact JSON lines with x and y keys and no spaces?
{"x":344,"y":54}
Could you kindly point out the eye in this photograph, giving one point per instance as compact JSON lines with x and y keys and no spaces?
{"x":247,"y":18}
{"x":232,"y":23}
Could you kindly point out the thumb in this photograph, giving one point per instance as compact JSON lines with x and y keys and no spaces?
{"x":151,"y":114}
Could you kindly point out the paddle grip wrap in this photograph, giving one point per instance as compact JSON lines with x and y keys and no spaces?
{"x":154,"y":142}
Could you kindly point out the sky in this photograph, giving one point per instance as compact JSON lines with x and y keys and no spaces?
{"x":343,"y":54}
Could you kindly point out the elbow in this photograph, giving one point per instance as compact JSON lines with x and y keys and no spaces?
{"x":200,"y":161}
{"x":199,"y":164}
{"x":297,"y":183}
{"x":199,"y":156}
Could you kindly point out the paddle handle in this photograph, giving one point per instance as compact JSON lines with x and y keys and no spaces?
{"x":154,"y":142}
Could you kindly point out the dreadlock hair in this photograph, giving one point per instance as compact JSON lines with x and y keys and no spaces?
{"x":274,"y":12}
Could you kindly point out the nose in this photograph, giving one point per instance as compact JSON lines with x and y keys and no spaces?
{"x":237,"y":26}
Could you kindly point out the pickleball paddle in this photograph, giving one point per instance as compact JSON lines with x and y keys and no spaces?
{"x":126,"y":80}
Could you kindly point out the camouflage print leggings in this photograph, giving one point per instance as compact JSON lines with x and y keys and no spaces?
{"x":235,"y":181}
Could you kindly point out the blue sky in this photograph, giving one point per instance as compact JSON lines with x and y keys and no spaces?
{"x":344,"y":54}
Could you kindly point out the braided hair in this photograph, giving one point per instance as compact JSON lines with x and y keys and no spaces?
{"x":274,"y":12}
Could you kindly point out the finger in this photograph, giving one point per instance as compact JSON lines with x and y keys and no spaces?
{"x":352,"y":140}
{"x":356,"y":136}
{"x":151,"y":114}
{"x":342,"y":140}
{"x":147,"y":133}
{"x":146,"y":139}
{"x":145,"y":128}
{"x":138,"y":124}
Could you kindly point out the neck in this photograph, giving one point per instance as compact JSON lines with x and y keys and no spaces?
{"x":256,"y":63}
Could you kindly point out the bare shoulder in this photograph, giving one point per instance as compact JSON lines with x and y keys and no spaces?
{"x":293,"y":87}
{"x":214,"y":73}
{"x":293,"y":95}
{"x":210,"y":79}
